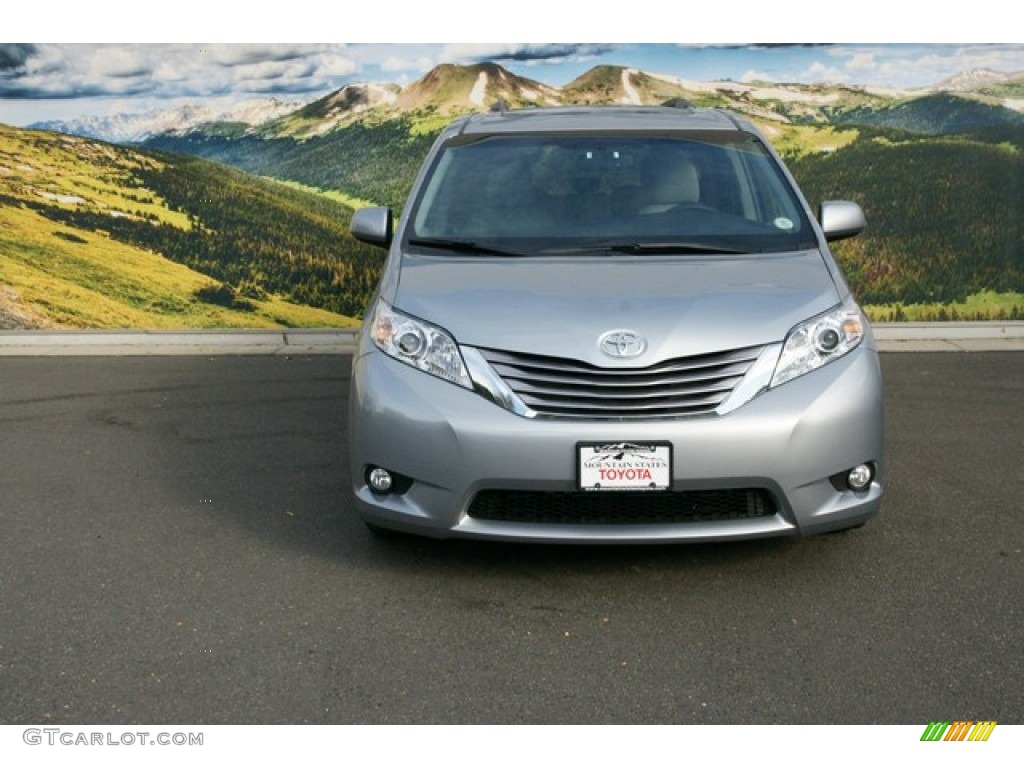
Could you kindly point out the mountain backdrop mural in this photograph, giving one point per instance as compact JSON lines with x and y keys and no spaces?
{"x":201,"y":217}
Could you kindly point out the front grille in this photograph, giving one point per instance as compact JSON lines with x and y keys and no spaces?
{"x":571,"y":389}
{"x":623,"y":508}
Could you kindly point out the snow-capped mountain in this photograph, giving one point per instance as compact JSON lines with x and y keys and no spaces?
{"x":137,"y":127}
{"x":450,"y":89}
{"x":447,"y":89}
{"x":972,"y":80}
{"x":334,"y":109}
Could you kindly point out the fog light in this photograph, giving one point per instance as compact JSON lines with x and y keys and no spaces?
{"x":379,"y":480}
{"x":860,"y":477}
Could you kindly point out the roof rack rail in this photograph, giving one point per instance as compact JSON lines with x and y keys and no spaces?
{"x":499,"y":106}
{"x":678,"y":103}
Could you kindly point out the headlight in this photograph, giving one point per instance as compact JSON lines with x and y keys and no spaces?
{"x":419,"y":344}
{"x":818,"y":342}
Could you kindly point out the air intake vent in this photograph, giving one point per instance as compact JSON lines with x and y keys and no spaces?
{"x":623,"y":508}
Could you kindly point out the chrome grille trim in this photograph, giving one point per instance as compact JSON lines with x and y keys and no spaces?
{"x":556,"y":387}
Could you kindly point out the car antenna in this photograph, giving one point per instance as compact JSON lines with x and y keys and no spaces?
{"x":678,"y":103}
{"x":499,"y":106}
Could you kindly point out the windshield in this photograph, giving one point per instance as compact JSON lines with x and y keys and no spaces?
{"x":537,"y":194}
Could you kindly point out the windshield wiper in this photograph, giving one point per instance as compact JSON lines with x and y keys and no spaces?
{"x":461,"y":246}
{"x":668,"y":247}
{"x":672,"y":247}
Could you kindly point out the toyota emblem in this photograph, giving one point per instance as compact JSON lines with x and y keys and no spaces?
{"x":622,"y":344}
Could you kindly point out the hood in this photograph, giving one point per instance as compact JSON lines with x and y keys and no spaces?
{"x":682,"y":306}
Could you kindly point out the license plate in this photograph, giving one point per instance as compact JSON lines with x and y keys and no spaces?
{"x":624,"y":466}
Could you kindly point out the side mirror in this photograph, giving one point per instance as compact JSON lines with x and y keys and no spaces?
{"x":372,"y":225}
{"x":840,"y":219}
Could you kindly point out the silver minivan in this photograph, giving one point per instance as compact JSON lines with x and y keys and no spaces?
{"x":612,"y":324}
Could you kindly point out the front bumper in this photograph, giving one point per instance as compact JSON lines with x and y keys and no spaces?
{"x":453,"y":445}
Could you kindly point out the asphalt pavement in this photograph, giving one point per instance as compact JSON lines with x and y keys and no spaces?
{"x":179,"y":547}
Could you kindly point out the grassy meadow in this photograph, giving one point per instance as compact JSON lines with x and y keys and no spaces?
{"x":54,"y":274}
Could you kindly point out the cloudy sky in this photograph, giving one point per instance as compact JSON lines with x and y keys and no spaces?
{"x":47,"y":81}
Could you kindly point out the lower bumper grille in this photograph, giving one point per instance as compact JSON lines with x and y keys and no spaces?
{"x":625,"y":508}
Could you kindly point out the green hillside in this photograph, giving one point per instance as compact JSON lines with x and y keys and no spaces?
{"x":944,"y":216}
{"x":936,"y":114}
{"x":368,"y":161}
{"x":1012,"y":88}
{"x":93,"y":235}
